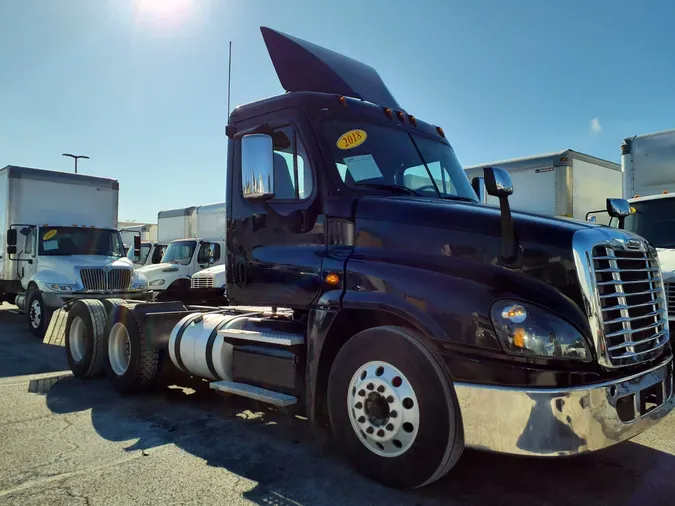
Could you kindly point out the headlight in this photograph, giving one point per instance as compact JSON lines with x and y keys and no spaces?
{"x":61,"y":288}
{"x":528,"y":330}
{"x":157,"y":282}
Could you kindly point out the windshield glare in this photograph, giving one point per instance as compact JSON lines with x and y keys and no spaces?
{"x":66,"y":241}
{"x":145,"y":251}
{"x":655,"y":221}
{"x":179,"y":252}
{"x":394,"y":158}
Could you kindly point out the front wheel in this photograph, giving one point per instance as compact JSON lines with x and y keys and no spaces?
{"x":39,"y":315}
{"x":393,"y":410}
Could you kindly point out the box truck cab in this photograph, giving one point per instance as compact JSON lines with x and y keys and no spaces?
{"x":61,"y":242}
{"x":190,"y":254}
{"x":151,"y":251}
{"x":648,"y":166}
{"x":210,"y":285}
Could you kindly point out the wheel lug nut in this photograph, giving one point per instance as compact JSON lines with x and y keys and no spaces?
{"x":380,"y":433}
{"x":358,"y":405}
{"x":393,"y":414}
{"x":380,"y":389}
{"x":362,"y":393}
{"x":370,"y":430}
{"x":390,"y":399}
{"x":370,"y":386}
{"x":362,"y":419}
{"x":390,"y":427}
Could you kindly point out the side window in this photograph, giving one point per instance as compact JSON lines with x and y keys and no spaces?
{"x":203,"y":255}
{"x":293,"y":179}
{"x":30,"y":239}
{"x":215,"y":247}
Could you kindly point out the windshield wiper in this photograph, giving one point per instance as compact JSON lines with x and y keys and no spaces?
{"x":458,"y":197}
{"x":397,"y":188}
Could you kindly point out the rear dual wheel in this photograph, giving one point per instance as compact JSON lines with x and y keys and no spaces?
{"x":85,"y":328}
{"x":393,"y":410}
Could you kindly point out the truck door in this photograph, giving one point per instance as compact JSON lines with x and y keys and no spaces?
{"x":26,"y":253}
{"x":276,"y":245}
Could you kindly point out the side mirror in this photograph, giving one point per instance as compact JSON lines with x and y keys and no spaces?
{"x":11,"y":237}
{"x":137,"y":247}
{"x":478,"y":184}
{"x":497,"y":182}
{"x":257,"y":166}
{"x":618,"y":208}
{"x":11,"y":250}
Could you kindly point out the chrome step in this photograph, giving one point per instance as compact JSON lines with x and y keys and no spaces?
{"x":269,"y":336}
{"x":255,"y":393}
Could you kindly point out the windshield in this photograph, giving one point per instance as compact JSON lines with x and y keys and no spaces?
{"x":655,"y":221}
{"x":145,"y":251}
{"x":179,"y":252}
{"x":371,"y":156}
{"x":65,"y":241}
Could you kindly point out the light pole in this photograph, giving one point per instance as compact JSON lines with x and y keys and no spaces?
{"x":76,"y":157}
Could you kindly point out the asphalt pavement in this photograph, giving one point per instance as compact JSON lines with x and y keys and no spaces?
{"x":65,"y":441}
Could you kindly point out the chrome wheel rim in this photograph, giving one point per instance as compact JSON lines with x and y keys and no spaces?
{"x":77,"y":338}
{"x":383,"y":409}
{"x":119,"y":349}
{"x":35,"y":314}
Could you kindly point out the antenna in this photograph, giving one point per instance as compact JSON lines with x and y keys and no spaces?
{"x":229,"y":77}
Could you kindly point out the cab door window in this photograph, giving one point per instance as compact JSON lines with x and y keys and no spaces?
{"x":293,"y":178}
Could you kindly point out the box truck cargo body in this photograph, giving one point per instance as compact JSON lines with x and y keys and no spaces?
{"x":61,"y":239}
{"x":204,"y":246}
{"x":567,"y":184}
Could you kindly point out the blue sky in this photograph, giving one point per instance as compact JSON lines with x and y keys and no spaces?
{"x":142,"y":90}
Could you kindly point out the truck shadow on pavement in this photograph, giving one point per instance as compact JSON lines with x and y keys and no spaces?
{"x":277,"y":451}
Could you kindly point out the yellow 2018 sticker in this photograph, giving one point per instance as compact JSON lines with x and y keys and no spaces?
{"x":352,"y":139}
{"x":49,"y":235}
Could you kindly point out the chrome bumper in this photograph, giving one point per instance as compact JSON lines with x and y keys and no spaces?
{"x":552,"y":422}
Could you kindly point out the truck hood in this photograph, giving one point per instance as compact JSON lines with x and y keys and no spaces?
{"x":210,"y":271}
{"x":65,"y":269}
{"x":667,"y":261}
{"x":159,"y":270}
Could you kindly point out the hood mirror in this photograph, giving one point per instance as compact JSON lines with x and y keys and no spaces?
{"x":498,"y":184}
{"x":619,"y":209}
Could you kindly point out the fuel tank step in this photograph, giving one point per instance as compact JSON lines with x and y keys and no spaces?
{"x":268,"y":336}
{"x":255,"y":393}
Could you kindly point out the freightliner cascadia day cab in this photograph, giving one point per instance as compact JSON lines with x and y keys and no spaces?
{"x":402,"y":314}
{"x":202,"y":247}
{"x":648,"y":165}
{"x":61,"y":242}
{"x":566,"y":184}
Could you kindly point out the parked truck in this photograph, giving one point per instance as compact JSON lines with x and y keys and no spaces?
{"x":151,"y":250}
{"x":566,"y":184}
{"x":209,"y":286}
{"x":203,"y":246}
{"x":61,"y":242}
{"x":648,"y":165}
{"x":409,"y":319}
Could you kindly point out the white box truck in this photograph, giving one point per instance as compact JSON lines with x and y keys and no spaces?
{"x":565,"y":184}
{"x":62,"y":242}
{"x":648,"y":164}
{"x":202,"y":246}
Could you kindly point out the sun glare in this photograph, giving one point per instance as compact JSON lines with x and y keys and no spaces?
{"x":163,"y":7}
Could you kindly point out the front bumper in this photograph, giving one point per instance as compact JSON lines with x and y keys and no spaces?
{"x":551,"y":422}
{"x":57,"y":300}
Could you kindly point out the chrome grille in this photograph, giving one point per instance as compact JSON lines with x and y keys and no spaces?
{"x":632,"y":303}
{"x":670,"y":294}
{"x":99,"y":279}
{"x":202,"y":282}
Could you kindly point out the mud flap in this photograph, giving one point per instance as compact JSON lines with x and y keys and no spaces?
{"x":56,"y":332}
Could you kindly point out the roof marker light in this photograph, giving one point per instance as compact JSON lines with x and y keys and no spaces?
{"x":440,"y":131}
{"x":413,"y":121}
{"x":343,"y":101}
{"x":400,"y":116}
{"x":388,"y":112}
{"x":664,"y":192}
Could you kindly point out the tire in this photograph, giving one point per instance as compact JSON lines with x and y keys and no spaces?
{"x":110,"y":304}
{"x":403,"y":433}
{"x":136,"y":369}
{"x":39,"y":315}
{"x":85,"y":347}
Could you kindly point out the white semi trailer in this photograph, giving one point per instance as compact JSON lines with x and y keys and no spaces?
{"x":565,"y":184}
{"x":62,"y":242}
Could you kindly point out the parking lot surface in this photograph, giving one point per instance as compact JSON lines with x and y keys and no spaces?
{"x":67,"y":441}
